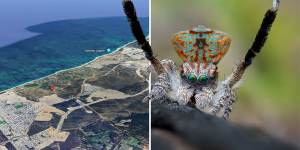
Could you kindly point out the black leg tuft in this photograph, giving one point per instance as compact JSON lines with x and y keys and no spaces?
{"x":139,"y":35}
{"x":261,"y":36}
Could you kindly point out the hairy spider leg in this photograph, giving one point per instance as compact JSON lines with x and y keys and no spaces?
{"x":139,"y":35}
{"x":164,"y":84}
{"x":257,"y":45}
{"x":239,"y":70}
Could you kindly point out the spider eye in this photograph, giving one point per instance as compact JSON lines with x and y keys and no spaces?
{"x":192,"y":77}
{"x":203,"y":78}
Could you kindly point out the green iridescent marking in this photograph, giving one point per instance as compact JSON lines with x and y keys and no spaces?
{"x":192,"y":77}
{"x":203,"y":78}
{"x":204,"y":36}
{"x":213,"y":48}
{"x":200,"y":45}
{"x":214,"y":37}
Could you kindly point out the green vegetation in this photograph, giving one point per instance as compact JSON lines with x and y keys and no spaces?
{"x":132,"y":141}
{"x":97,"y":140}
{"x":33,"y":85}
{"x":2,"y":122}
{"x":19,"y":105}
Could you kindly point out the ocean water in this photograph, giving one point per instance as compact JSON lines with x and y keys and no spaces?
{"x":62,"y":45}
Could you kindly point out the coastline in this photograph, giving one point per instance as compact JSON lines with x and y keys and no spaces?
{"x":102,"y":96}
{"x":52,"y":54}
{"x":28,"y":82}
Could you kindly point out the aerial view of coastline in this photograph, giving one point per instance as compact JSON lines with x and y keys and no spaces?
{"x":57,"y":45}
{"x":61,"y":45}
{"x":64,"y":76}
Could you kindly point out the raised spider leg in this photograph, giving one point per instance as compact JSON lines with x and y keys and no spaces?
{"x":225,"y":97}
{"x":276,"y":4}
{"x":258,"y":43}
{"x":161,"y":87}
{"x":139,"y":35}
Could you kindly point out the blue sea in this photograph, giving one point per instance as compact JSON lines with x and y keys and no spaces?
{"x":61,"y":45}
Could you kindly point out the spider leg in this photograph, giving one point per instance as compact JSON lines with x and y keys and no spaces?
{"x":160,"y":89}
{"x":179,"y":92}
{"x":223,"y":100}
{"x":226,"y":98}
{"x":258,"y":43}
{"x":184,"y":94}
{"x":139,"y":35}
{"x":276,"y":4}
{"x":263,"y":33}
{"x":163,"y":85}
{"x":203,"y":99}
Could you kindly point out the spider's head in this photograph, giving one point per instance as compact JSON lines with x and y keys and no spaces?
{"x":199,"y":73}
{"x":201,"y":49}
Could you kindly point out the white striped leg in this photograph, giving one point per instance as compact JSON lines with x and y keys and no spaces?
{"x":160,"y":89}
{"x":223,"y":100}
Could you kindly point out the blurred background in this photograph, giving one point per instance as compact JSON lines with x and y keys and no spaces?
{"x":269,"y":97}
